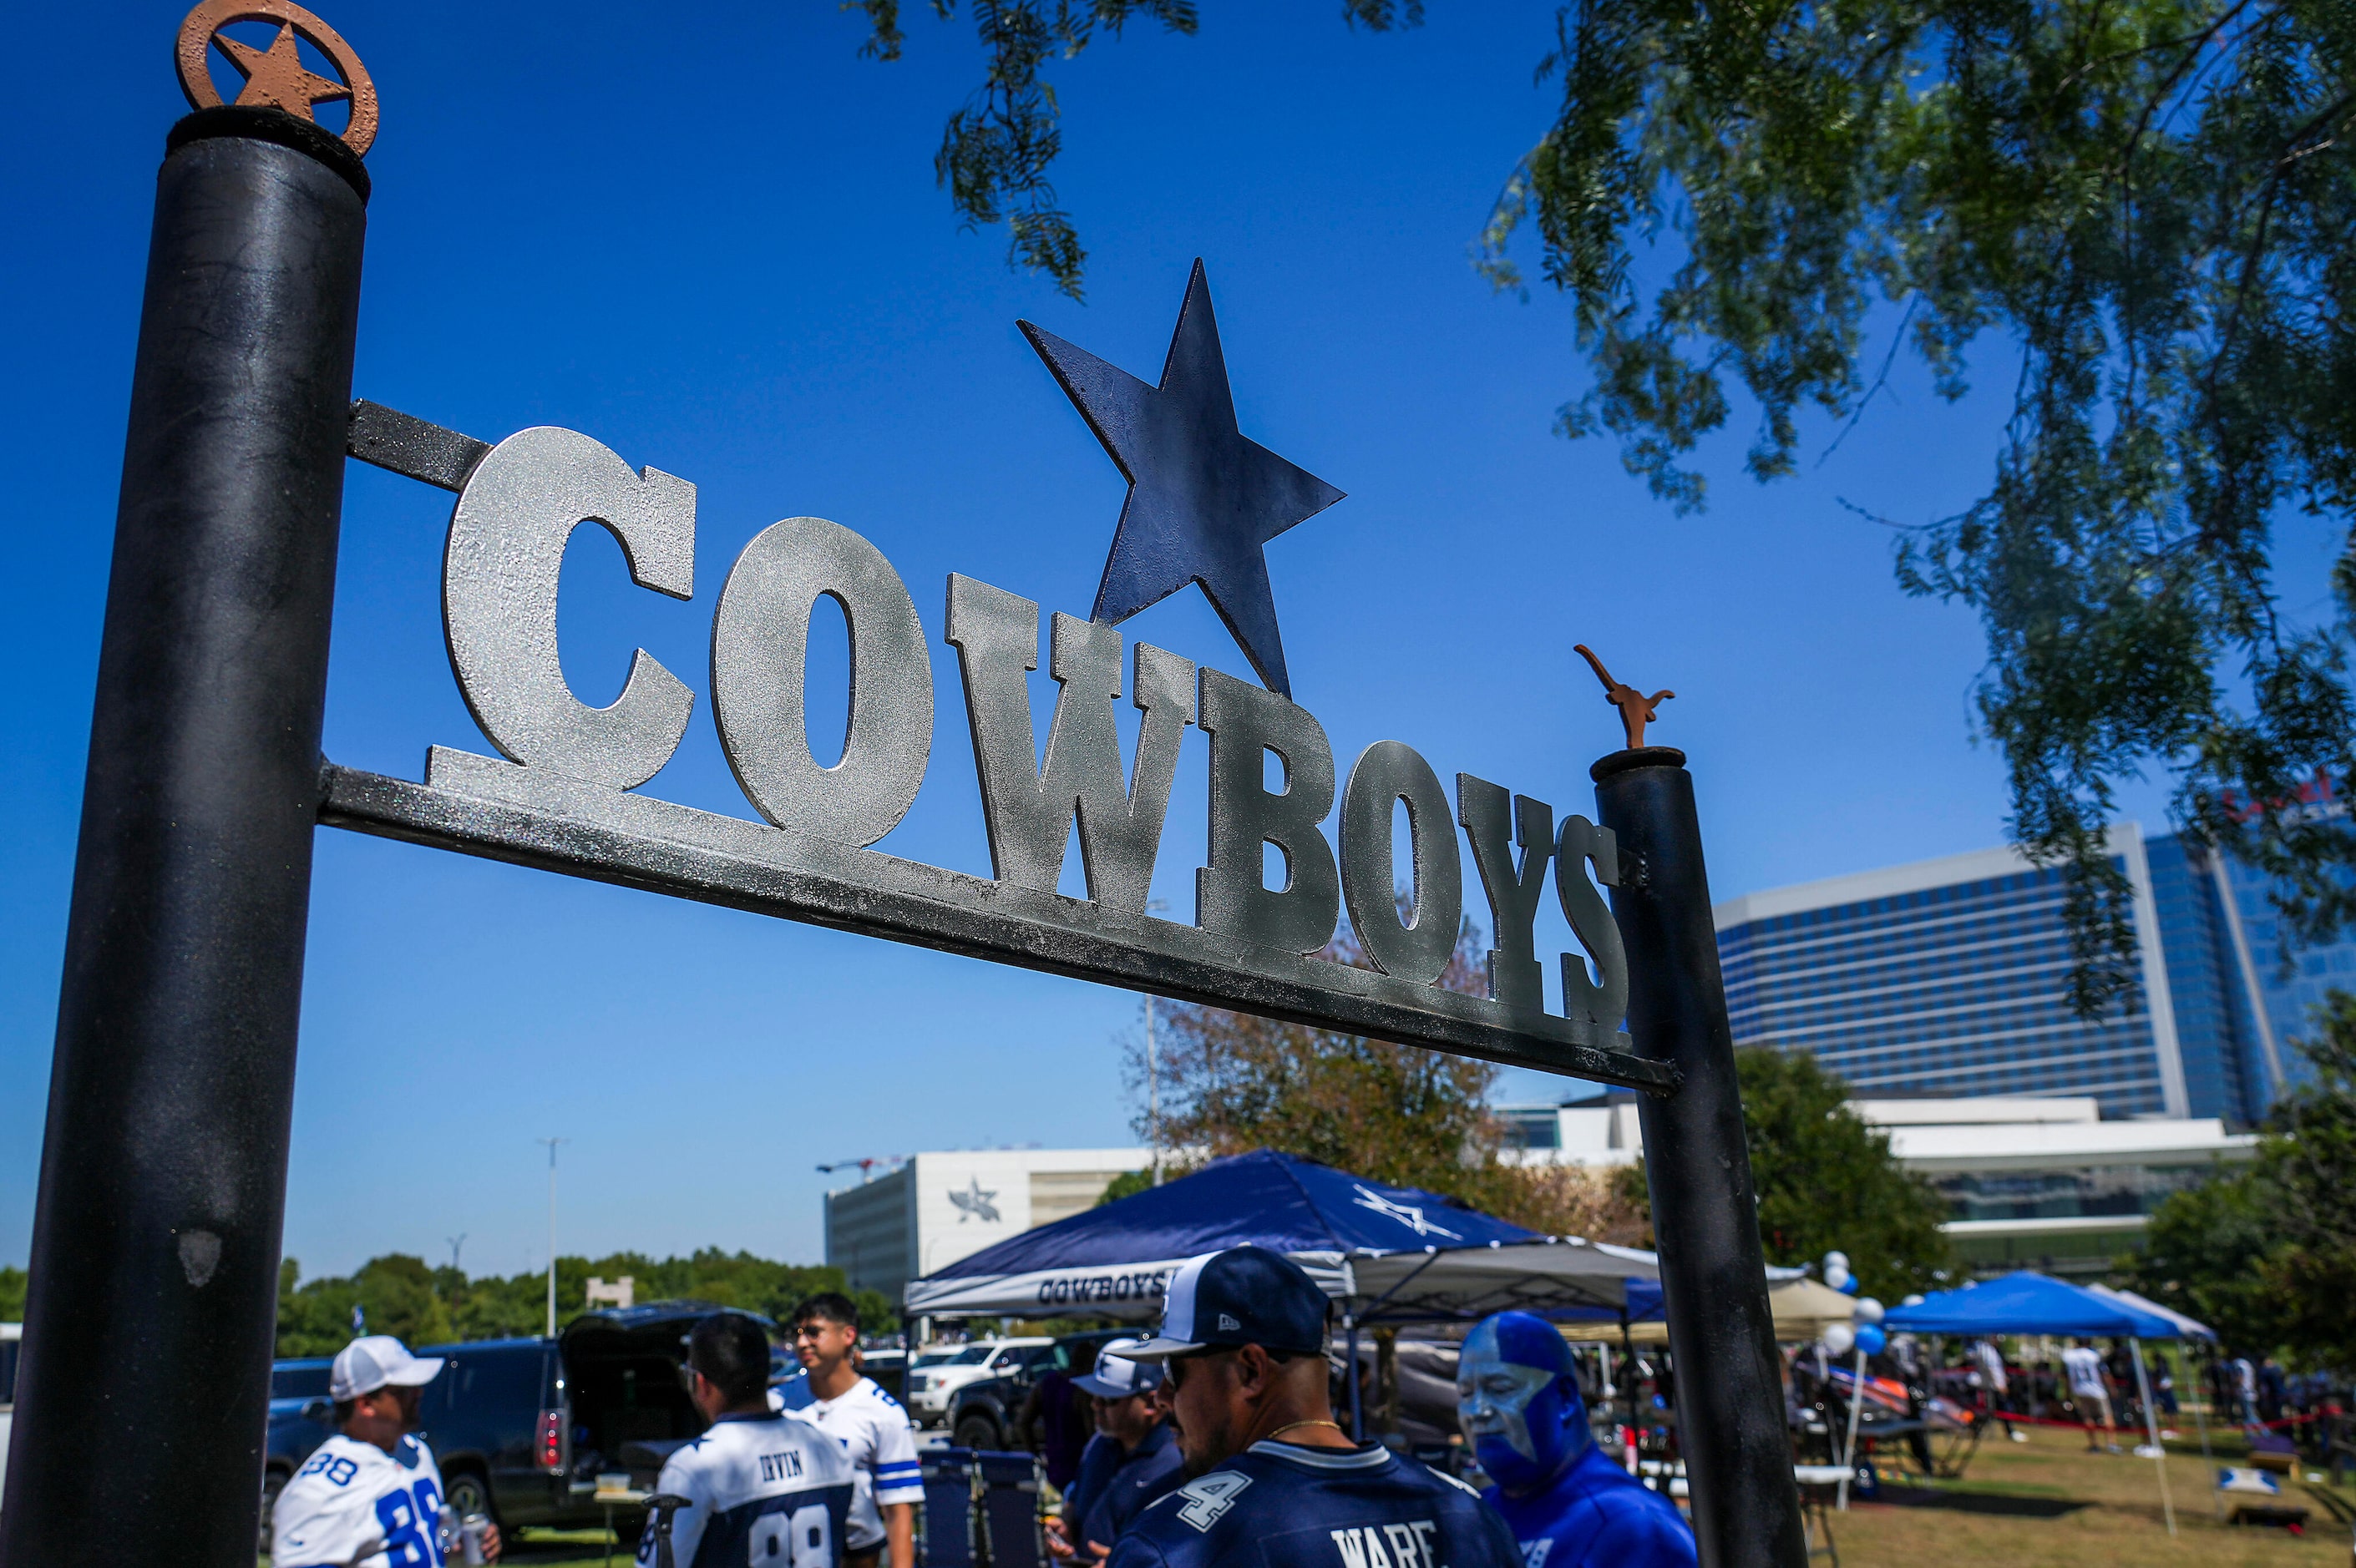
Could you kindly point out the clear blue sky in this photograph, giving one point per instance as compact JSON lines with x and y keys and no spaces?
{"x":717,"y":246}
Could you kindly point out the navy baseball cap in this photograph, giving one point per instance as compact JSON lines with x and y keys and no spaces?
{"x":1244,"y":1295}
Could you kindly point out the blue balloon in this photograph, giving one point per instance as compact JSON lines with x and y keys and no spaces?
{"x":1847,"y":1287}
{"x":1870,"y":1339}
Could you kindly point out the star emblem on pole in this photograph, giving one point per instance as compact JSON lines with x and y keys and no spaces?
{"x":1202,"y":498}
{"x":275,"y":78}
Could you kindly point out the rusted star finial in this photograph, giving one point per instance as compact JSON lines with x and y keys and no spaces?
{"x":1636,"y":709}
{"x":276,"y":78}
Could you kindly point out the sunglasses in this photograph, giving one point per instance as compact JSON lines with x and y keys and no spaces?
{"x":1173,"y":1370}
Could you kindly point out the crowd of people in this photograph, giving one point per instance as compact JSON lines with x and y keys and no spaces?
{"x":1170,"y":1450}
{"x":1214,"y":1440}
{"x":2092,"y":1384}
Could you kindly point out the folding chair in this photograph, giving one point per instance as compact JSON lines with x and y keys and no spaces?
{"x":1011,"y":1485}
{"x":948,"y":1475}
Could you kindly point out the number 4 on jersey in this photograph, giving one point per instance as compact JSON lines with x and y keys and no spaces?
{"x":1209,"y":1497}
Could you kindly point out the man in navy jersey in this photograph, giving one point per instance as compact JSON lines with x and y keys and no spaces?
{"x":1272,"y":1480}
{"x":1570,"y":1506}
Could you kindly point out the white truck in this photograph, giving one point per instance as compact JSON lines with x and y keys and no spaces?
{"x":932,"y":1388}
{"x":12,"y":1340}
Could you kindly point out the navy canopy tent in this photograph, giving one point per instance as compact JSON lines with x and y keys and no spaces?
{"x":2029,"y":1302}
{"x":1390,"y":1254}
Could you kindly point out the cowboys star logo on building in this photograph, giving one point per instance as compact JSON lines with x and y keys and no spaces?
{"x":974,"y":1204}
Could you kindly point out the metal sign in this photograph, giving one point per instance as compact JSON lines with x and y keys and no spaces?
{"x":156,"y":1234}
{"x":563,"y":792}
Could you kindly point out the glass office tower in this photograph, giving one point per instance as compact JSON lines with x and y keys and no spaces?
{"x":1951,"y":976}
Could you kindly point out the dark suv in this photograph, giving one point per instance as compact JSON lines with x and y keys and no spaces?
{"x":987,"y":1415}
{"x":523,"y":1428}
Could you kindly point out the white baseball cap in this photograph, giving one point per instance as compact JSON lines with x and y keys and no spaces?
{"x":377,"y":1361}
{"x":1118,"y":1377}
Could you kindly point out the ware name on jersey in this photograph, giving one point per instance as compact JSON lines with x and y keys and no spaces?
{"x":1279,"y":1506}
{"x":352,"y":1502}
{"x":872,"y":1428}
{"x":764,"y":1492}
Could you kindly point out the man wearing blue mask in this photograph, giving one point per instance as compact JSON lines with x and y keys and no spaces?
{"x":1570,"y":1507}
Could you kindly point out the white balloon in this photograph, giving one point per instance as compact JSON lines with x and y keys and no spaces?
{"x":1835,"y":1261}
{"x":1839,"y":1338}
{"x":1837,"y":1275}
{"x":1867,"y":1310}
{"x":1913,"y":1300}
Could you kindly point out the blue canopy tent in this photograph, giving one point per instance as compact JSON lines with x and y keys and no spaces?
{"x":2029,"y":1302}
{"x":2032,"y":1303}
{"x":1387,"y":1254}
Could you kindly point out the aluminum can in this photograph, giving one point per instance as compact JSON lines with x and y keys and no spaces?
{"x":470,"y":1536}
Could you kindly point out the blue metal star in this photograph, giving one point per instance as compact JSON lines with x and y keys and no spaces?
{"x":1202,"y":498}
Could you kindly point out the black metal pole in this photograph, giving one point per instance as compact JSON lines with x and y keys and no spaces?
{"x":1730,"y":1391}
{"x":145,"y":1372}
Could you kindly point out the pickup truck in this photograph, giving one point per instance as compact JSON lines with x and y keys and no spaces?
{"x":988,"y":1413}
{"x":933,"y":1390}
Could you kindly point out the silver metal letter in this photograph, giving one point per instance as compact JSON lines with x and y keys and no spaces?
{"x":1246,"y":723}
{"x":498,"y":602}
{"x":1604,"y":1003}
{"x":1417,"y":948}
{"x":1514,"y":977}
{"x":760,"y":647}
{"x":1029,"y":810}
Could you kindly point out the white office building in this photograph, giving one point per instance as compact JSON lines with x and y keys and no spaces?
{"x":2031,"y":1182}
{"x":937,"y":1208}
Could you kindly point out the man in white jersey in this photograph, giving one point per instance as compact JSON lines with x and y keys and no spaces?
{"x":370,"y":1497}
{"x":763,"y":1489}
{"x":1993,"y":1377}
{"x":2091,"y":1394}
{"x":871,"y":1426}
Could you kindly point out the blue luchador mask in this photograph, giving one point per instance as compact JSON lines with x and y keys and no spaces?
{"x":1517,"y":1400}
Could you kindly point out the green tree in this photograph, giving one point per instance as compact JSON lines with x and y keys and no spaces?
{"x":2266,"y":1256}
{"x":2205,"y":1254}
{"x":400,"y":1295}
{"x":11,"y":1294}
{"x":2307,"y":1166}
{"x":1827,"y":1181}
{"x":1232,"y":1083}
{"x":1128,"y":1184}
{"x":2143,"y":203}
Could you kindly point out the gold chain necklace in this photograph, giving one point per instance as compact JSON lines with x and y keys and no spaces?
{"x":1290,"y":1425}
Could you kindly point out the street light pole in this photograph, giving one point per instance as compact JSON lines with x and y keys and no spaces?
{"x":551,"y":1144}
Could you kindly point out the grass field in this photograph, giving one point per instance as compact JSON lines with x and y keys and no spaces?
{"x":2046,"y":1503}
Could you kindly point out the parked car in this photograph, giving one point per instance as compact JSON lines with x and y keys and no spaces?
{"x":889,"y":1366}
{"x":523,"y":1428}
{"x":987,"y":1414}
{"x":931,"y":1390}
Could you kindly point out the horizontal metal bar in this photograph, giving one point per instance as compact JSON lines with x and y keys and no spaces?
{"x":486,"y":806}
{"x":407,"y":445}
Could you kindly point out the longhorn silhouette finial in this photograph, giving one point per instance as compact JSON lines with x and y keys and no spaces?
{"x":1636,"y":709}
